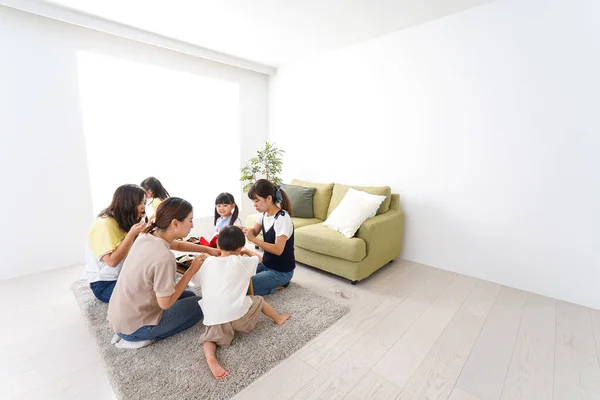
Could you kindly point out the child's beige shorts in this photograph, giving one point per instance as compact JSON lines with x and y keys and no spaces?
{"x":222,"y":334}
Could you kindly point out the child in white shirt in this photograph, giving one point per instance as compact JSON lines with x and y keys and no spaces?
{"x":226,"y":306}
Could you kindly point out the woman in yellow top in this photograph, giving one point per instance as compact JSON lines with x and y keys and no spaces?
{"x":111,"y":235}
{"x":155,"y":191}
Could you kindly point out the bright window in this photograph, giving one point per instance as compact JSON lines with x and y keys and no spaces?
{"x":141,"y":120}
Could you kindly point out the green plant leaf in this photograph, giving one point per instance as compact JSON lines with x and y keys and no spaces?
{"x":267,"y":163}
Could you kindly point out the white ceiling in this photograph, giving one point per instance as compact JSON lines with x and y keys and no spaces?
{"x":270,"y":32}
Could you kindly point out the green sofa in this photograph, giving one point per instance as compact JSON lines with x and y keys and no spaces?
{"x":377,"y":242}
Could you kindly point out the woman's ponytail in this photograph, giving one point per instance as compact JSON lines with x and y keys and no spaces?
{"x":264,"y":188}
{"x":285,"y":202}
{"x":150,"y":227}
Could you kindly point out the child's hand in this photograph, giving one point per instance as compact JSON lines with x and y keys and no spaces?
{"x":197,"y":263}
{"x":214,"y":252}
{"x":250,"y":253}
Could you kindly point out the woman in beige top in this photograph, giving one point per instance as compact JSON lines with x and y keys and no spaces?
{"x":146,"y":304}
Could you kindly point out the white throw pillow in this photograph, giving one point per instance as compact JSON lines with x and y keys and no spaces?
{"x":353,"y":210}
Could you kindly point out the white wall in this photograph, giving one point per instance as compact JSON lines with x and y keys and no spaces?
{"x":485,"y":122}
{"x":46,"y":202}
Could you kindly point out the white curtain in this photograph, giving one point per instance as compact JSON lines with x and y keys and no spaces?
{"x":142,"y":120}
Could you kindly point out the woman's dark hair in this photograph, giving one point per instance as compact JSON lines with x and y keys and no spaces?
{"x":226,"y":198}
{"x":123,"y":207}
{"x":231,"y":238}
{"x":168,"y":210}
{"x":157,"y":188}
{"x":264,"y":188}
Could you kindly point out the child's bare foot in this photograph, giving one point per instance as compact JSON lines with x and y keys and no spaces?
{"x":216,"y":369}
{"x":282,"y":318}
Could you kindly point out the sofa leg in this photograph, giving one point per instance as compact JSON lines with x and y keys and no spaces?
{"x":354,"y":282}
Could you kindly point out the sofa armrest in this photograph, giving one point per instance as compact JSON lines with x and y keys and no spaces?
{"x":383,"y":233}
{"x":251,"y":220}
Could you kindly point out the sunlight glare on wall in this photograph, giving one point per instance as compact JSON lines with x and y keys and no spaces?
{"x":142,"y":120}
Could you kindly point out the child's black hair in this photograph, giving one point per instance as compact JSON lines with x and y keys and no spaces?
{"x":226,"y":198}
{"x":157,"y":188}
{"x":231,"y":238}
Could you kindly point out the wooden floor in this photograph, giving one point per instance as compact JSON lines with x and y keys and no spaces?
{"x":413,"y":332}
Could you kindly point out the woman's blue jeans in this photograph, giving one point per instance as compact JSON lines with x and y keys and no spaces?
{"x":184,"y":314}
{"x":267,"y":280}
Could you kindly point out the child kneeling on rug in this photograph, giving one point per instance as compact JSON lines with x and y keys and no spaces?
{"x":226,"y":306}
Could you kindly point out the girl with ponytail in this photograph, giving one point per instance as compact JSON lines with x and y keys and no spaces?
{"x":155,"y":193}
{"x":275,"y":223}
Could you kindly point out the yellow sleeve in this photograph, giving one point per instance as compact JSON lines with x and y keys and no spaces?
{"x":104,"y":236}
{"x":154,"y":204}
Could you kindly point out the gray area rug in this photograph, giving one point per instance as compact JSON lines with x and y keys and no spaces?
{"x":175,"y":368}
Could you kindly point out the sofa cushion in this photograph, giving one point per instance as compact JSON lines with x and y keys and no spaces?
{"x":354,"y":209}
{"x":301,"y":198}
{"x":321,"y":199}
{"x":320,"y":239}
{"x":339,"y":191}
{"x":300,"y":222}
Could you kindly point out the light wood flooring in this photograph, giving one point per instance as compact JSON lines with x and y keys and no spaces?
{"x":413,"y":332}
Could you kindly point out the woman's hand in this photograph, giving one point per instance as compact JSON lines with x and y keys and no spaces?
{"x":249,"y":234}
{"x":136,"y":229}
{"x":197,"y":263}
{"x":113,"y":259}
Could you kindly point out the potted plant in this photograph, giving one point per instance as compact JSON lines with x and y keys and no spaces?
{"x":267,"y":164}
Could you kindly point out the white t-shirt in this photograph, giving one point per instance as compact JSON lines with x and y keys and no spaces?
{"x":283,"y":224}
{"x":224,"y":282}
{"x":96,"y":270}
